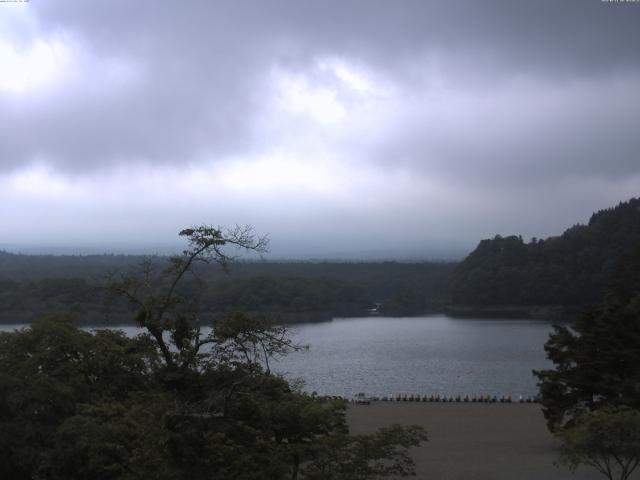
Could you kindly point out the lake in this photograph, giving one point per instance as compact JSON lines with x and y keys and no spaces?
{"x":416,"y":355}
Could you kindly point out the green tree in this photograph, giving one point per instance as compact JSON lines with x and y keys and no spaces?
{"x":177,"y":401}
{"x":607,"y":440}
{"x":359,"y":457}
{"x":569,"y":270}
{"x":48,"y":372}
{"x":596,"y":359}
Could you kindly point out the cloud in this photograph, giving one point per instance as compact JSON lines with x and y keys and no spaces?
{"x":180,"y":82}
{"x":529,"y":130}
{"x":410,"y":114}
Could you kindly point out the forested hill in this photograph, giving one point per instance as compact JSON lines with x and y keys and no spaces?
{"x":569,"y":270}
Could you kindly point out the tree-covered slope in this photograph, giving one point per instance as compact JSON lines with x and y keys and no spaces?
{"x":571,"y":269}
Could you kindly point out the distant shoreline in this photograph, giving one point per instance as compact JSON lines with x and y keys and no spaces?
{"x":551,"y":313}
{"x":560,"y":313}
{"x":94,"y":319}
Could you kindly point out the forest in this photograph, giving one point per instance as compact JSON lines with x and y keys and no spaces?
{"x":174,"y":402}
{"x":289,"y":291}
{"x":570,"y":271}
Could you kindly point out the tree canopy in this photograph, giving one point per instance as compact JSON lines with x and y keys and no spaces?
{"x":572,"y":269}
{"x":177,"y":401}
{"x":32,"y":286}
{"x":597,"y":358}
{"x":607,"y":440}
{"x":591,"y":398}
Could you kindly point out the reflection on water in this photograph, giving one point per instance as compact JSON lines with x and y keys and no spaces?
{"x":432,"y":354}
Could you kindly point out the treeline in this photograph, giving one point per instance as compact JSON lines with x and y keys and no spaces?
{"x":29,"y":267}
{"x":290,"y":291}
{"x":339,"y":288}
{"x":503,"y":275}
{"x":569,"y":270}
{"x":24,"y":301}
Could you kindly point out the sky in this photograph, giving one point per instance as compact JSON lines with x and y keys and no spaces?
{"x":344,"y":129}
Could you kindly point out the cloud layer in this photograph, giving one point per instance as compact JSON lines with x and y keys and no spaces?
{"x":343,"y":128}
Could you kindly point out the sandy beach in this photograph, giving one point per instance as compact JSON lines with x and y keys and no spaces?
{"x":469,"y":441}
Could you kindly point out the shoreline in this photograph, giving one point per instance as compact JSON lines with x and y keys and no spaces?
{"x":96,"y":319}
{"x":555,"y":313}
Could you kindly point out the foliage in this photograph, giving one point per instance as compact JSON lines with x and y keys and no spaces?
{"x":175,"y":402}
{"x":607,"y":440}
{"x":31,"y":286}
{"x":359,"y":457}
{"x":571,"y":269}
{"x":597,"y":359}
{"x":48,"y":372}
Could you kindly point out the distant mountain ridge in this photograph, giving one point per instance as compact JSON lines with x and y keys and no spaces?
{"x":569,"y":270}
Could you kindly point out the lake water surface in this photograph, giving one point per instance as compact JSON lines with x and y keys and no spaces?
{"x":424,"y":355}
{"x":416,"y":355}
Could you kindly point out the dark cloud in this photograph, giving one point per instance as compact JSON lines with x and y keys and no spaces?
{"x":468,"y":104}
{"x":203,"y":65}
{"x":535,"y":132}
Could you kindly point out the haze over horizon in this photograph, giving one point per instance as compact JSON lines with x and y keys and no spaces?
{"x":344,"y":129}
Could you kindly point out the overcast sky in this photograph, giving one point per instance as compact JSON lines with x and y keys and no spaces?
{"x":342,"y":128}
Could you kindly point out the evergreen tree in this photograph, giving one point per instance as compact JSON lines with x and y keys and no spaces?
{"x":597,"y":359}
{"x":569,"y":270}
